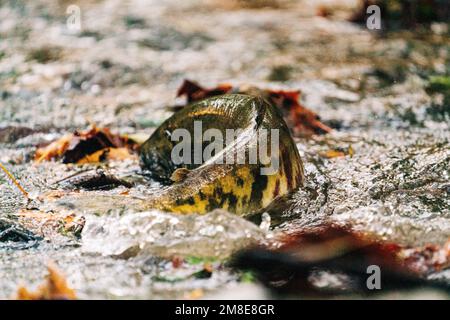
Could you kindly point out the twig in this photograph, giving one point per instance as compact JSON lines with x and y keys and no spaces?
{"x":14,"y":181}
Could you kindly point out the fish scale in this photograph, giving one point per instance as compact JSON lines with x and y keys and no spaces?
{"x":238,"y":188}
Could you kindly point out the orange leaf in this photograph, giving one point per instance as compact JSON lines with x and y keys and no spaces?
{"x":55,"y":288}
{"x":333,"y":154}
{"x":54,"y":150}
{"x":94,"y":145}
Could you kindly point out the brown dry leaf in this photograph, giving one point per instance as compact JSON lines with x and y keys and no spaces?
{"x":194,"y":92}
{"x":53,"y":150}
{"x":301,"y":120}
{"x":51,"y":224}
{"x":55,"y":288}
{"x":94,"y":145}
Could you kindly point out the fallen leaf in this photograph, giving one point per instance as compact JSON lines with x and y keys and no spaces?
{"x":289,"y":263}
{"x":194,"y":92}
{"x":301,"y":120}
{"x":107,"y":154}
{"x":339,"y":152}
{"x":55,"y":288}
{"x":53,"y":150}
{"x":333,"y":154}
{"x":94,"y":145}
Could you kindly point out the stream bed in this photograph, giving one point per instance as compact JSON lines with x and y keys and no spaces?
{"x":122,"y":69}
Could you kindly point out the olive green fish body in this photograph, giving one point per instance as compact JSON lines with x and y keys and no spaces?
{"x":232,"y":178}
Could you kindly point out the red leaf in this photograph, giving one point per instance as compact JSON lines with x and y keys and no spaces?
{"x":300,"y":119}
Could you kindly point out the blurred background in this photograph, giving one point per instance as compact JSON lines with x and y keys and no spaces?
{"x":380,"y":80}
{"x":66,"y":63}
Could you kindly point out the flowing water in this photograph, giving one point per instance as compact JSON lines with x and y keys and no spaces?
{"x":123,"y":68}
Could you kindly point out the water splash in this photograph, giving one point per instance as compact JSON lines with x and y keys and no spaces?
{"x":217,"y":234}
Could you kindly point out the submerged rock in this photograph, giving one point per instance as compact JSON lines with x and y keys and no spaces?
{"x":14,"y":236}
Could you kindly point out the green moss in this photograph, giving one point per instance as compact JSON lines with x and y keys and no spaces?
{"x":439,"y":84}
{"x":199,"y":260}
{"x":247,"y":277}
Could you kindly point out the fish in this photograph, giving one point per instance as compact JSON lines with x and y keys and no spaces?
{"x":238,"y":177}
